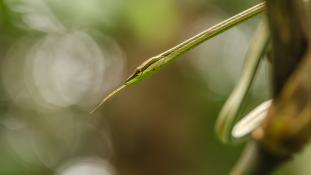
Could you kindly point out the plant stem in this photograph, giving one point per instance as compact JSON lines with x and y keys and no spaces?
{"x":256,"y":161}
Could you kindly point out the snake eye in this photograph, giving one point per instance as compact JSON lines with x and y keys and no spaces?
{"x":136,"y":72}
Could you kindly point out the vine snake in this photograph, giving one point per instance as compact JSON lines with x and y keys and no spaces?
{"x":229,"y":113}
{"x":154,"y":64}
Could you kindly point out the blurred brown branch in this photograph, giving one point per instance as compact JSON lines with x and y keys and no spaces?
{"x":287,"y":127}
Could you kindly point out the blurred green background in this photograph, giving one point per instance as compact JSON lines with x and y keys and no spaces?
{"x":58,"y":58}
